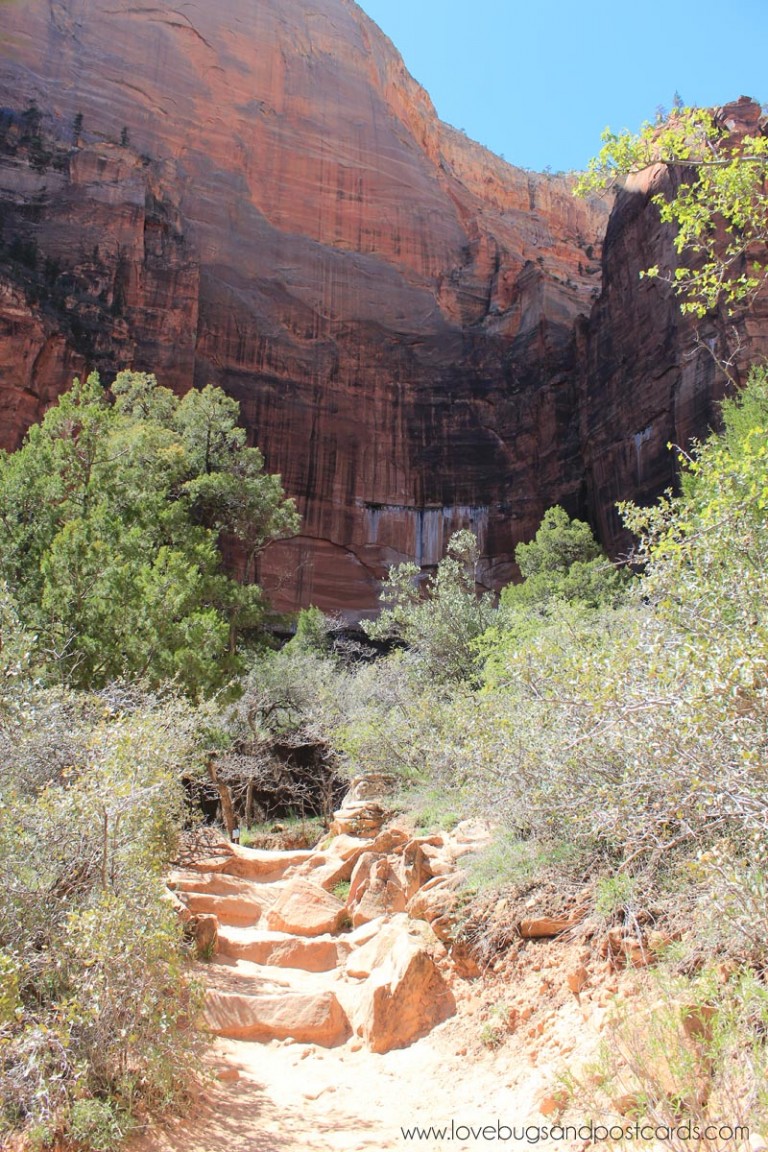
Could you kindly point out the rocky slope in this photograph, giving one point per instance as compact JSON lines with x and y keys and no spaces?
{"x":342,"y":1005}
{"x":346,"y":1011}
{"x":260,"y":196}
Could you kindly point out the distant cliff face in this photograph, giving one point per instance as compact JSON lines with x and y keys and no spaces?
{"x":649,"y":376}
{"x":258,"y":195}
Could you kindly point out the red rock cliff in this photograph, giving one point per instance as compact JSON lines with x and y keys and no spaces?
{"x":256,"y":193}
{"x":649,"y":375}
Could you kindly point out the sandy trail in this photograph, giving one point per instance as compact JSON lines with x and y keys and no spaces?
{"x":293,"y":1097}
{"x":283,"y":1096}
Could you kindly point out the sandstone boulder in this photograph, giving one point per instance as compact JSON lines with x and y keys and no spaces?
{"x":539,"y":927}
{"x":328,"y":870}
{"x":361,"y":875}
{"x":212,"y":883}
{"x":279,"y":949}
{"x":359,"y":936}
{"x":178,"y":906}
{"x":373,"y":951}
{"x":417,"y":869}
{"x":389,"y":840}
{"x":403,"y":999}
{"x":305,"y":909}
{"x":308,"y":1019}
{"x":437,"y":902}
{"x":263,"y":864}
{"x":362,"y":818}
{"x":380,"y":894}
{"x":345,"y":846}
{"x":245,"y":909}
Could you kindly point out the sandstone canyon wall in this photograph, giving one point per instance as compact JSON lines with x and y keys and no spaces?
{"x":649,"y":375}
{"x":256,"y":194}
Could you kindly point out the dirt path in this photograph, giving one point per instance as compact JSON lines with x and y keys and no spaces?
{"x":293,"y":1098}
{"x":298,"y":1098}
{"x":329,"y":1092}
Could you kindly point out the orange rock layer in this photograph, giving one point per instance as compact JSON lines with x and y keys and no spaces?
{"x":258,"y":195}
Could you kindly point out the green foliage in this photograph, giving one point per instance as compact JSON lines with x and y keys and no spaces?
{"x":439,"y":626}
{"x":94,"y":1124}
{"x":393,"y":721}
{"x":95,"y":1006}
{"x":704,"y":554}
{"x":719,"y":206}
{"x":638,"y":731}
{"x":111,"y":519}
{"x":566,"y":579}
{"x":558,"y":544}
{"x":510,"y":860}
{"x":289,"y":696}
{"x":563,"y":562}
{"x":688,"y":1056}
{"x":614,"y":894}
{"x":312,"y":633}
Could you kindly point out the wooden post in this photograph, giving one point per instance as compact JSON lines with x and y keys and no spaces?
{"x":249,"y":804}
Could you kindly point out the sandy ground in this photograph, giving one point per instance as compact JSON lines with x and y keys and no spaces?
{"x":290,"y":1097}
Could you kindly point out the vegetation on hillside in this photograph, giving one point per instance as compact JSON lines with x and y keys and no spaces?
{"x":614,"y":727}
{"x":111,"y":514}
{"x":96,"y":1010}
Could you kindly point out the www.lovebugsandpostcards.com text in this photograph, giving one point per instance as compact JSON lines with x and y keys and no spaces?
{"x":641,"y":1131}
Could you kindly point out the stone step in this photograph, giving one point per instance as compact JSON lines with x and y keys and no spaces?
{"x":280,"y":949}
{"x":307,"y":1018}
{"x":220,"y":884}
{"x":233,"y":910}
{"x":261,"y":864}
{"x":305,"y":909}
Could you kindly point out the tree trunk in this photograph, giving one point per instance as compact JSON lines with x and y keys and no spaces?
{"x":225,"y":796}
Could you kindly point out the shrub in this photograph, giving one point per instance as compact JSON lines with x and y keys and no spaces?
{"x":439,"y":624}
{"x":96,"y":1008}
{"x":689,"y":1059}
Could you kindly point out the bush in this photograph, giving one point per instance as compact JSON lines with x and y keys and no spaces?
{"x":96,"y":1010}
{"x":440,"y":623}
{"x":112,"y":517}
{"x":689,"y":1059}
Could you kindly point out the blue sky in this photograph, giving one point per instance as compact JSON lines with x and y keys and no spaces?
{"x":538,"y":80}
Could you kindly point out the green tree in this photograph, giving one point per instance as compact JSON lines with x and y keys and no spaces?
{"x":112,"y":515}
{"x":563,"y":561}
{"x":715,"y":196}
{"x":567,"y":580}
{"x":440,"y":624}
